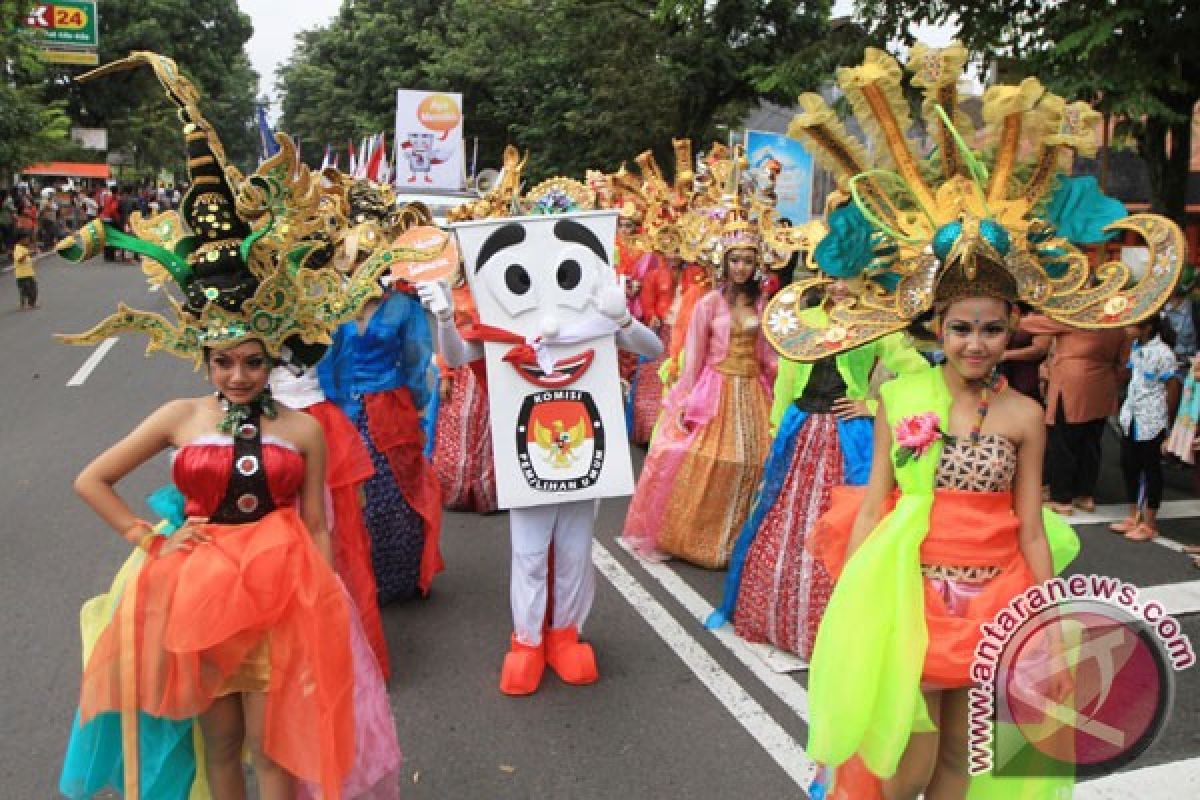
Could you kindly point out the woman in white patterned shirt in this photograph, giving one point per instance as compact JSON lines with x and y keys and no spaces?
{"x":1144,"y":424}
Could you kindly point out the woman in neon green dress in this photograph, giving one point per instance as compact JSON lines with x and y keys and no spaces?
{"x":950,"y":528}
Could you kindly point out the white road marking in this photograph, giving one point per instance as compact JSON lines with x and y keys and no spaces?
{"x":92,"y":362}
{"x":1176,"y":779}
{"x":791,"y":693}
{"x":1176,"y":598}
{"x":785,"y":750}
{"x":1171,"y":509}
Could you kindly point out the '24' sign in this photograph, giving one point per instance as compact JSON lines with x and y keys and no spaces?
{"x":57,"y":18}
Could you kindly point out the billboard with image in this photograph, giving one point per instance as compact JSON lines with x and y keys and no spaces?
{"x":429,"y":140}
{"x":794,"y":183}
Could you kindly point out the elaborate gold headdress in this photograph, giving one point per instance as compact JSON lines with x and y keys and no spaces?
{"x":245,"y":252}
{"x":723,"y":217}
{"x":970,"y":231}
{"x":503,"y":198}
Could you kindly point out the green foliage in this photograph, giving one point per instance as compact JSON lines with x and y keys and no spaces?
{"x":1135,"y":60}
{"x":579,"y":83}
{"x":207,"y":39}
{"x":30,"y":125}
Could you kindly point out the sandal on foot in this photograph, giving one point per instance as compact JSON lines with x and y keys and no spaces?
{"x":1087,"y":504}
{"x":1142,"y":533}
{"x":1124,"y":526}
{"x":1062,"y":509}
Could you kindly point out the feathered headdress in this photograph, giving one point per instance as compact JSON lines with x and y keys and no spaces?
{"x":912,"y":242}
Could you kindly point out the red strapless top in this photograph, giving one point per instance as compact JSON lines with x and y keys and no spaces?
{"x":201,"y":470}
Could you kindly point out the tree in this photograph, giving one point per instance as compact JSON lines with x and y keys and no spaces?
{"x":30,"y":126}
{"x":207,"y":39}
{"x":1135,"y":60}
{"x":579,"y":83}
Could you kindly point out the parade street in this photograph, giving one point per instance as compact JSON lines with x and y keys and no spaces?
{"x":679,"y":711}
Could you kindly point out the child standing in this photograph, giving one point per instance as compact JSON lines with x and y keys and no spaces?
{"x":26,"y":277}
{"x":1144,"y":423}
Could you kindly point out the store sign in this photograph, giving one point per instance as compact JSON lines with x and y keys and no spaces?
{"x":67,"y":31}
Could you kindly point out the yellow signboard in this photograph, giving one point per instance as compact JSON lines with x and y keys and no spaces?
{"x":81,"y":57}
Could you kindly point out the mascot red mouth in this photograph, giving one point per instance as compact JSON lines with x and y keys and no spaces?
{"x":566,"y":371}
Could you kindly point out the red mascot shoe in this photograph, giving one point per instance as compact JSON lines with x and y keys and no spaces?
{"x":523,"y":667}
{"x":572,"y":660}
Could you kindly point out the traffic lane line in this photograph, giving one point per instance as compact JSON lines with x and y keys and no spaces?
{"x":1175,"y":598}
{"x":1176,"y":779}
{"x":93,"y":361}
{"x":783,"y":749}
{"x":789,"y":692}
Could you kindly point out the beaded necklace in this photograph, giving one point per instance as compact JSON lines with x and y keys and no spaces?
{"x":990,"y":386}
{"x":237,"y":413}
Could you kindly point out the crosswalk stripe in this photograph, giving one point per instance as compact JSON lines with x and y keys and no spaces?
{"x":784,"y":749}
{"x":791,"y":693}
{"x":1175,"y":598}
{"x":1176,"y":779}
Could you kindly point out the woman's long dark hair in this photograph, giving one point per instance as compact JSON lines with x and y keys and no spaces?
{"x":751,"y":288}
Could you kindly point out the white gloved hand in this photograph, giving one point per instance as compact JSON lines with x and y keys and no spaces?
{"x":435,"y":297}
{"x":611,"y":302}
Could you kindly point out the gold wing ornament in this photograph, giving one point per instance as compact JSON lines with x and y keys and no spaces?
{"x":543,"y":436}
{"x":969,"y":231}
{"x":577,"y":433}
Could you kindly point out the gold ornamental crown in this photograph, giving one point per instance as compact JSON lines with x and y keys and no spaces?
{"x":911,"y":242}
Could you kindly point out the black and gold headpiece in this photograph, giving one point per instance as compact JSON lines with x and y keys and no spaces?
{"x":248,"y":254}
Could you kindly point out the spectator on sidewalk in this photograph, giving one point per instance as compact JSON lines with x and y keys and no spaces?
{"x":1182,"y":313}
{"x":1022,"y":363}
{"x":8,"y":221}
{"x":1082,"y":393}
{"x":110,"y":212}
{"x":1144,"y":423}
{"x":27,"y":287}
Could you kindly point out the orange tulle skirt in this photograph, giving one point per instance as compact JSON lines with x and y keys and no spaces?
{"x":966,"y":529}
{"x":193,"y":621}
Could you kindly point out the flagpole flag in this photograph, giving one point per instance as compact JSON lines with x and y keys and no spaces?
{"x":353,"y":165}
{"x":266,"y":137}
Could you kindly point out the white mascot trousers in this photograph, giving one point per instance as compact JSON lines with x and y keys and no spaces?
{"x":569,"y":527}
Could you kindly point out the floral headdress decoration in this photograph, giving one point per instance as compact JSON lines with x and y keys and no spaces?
{"x":912,"y":244}
{"x":245,"y":253}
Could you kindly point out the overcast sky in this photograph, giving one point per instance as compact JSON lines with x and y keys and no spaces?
{"x":276,"y":23}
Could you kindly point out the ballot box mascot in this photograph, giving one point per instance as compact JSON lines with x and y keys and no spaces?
{"x":552,"y":316}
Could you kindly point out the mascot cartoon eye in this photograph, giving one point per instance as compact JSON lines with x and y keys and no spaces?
{"x":517,"y":279}
{"x":569,"y":274}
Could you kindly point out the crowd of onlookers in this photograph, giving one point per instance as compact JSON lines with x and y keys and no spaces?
{"x":49,"y":214}
{"x":1140,"y":376}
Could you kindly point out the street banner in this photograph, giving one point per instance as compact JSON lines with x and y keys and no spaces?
{"x":67,"y":31}
{"x":794,"y":183}
{"x":429,"y":135}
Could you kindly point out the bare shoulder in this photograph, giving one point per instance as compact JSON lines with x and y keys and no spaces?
{"x":300,"y":428}
{"x":1026,"y":414}
{"x":176,"y":413}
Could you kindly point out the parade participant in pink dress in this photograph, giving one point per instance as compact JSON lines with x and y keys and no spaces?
{"x":698,"y":481}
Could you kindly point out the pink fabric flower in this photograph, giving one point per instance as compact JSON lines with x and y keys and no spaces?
{"x":918,"y":432}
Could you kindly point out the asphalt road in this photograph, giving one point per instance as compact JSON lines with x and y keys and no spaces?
{"x":678,"y":712}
